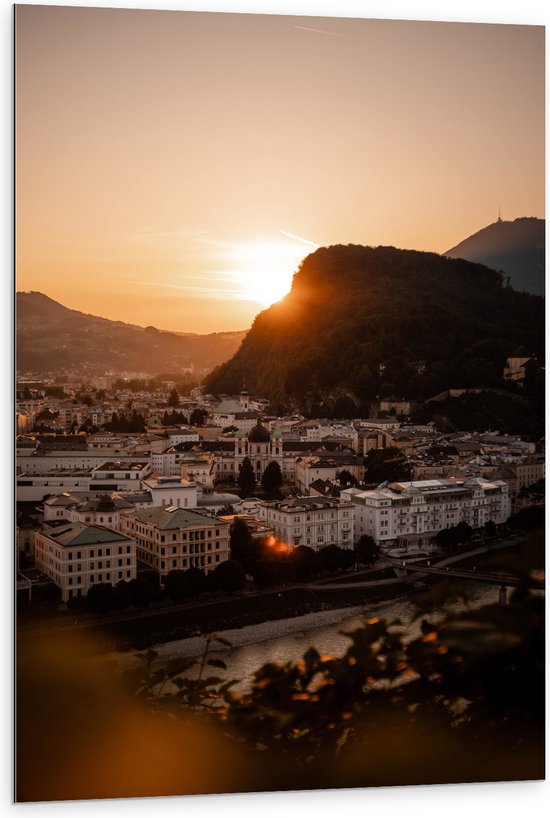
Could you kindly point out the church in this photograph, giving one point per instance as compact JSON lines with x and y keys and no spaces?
{"x":261,"y":447}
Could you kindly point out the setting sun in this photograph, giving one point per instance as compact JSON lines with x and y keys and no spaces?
{"x":267,"y":268}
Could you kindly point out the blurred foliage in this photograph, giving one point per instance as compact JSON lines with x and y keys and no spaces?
{"x":476,"y":677}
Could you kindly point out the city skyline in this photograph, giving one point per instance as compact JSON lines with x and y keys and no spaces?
{"x":173,"y":168}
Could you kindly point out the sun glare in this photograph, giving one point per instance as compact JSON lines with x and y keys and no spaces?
{"x":266,"y":270}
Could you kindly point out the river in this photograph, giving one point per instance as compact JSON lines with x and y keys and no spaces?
{"x":286,"y":640}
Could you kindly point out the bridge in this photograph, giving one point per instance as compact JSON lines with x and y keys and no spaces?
{"x":489,"y":577}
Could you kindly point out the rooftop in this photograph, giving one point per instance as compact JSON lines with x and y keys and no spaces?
{"x":82,"y":534}
{"x":171,"y":517}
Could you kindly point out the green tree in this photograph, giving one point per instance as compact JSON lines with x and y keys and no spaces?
{"x":242,"y":547}
{"x":197,"y":417}
{"x":228,"y":576}
{"x":346,"y":478}
{"x":304,"y":562}
{"x":101,"y":598}
{"x":121,"y":595}
{"x":272,"y":479}
{"x":173,"y":398}
{"x":490,"y":528}
{"x":366,"y":550}
{"x":246,"y":478}
{"x":386,"y":464}
{"x":142,"y":592}
{"x":333,"y":558}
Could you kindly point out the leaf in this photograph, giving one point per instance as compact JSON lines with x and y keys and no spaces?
{"x":216,"y":663}
{"x":222,"y":640}
{"x":343,"y":739}
{"x":180,"y":665}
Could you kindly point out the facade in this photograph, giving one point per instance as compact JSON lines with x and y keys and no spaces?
{"x":172,"y":538}
{"x":77,"y":556}
{"x":313,"y":521}
{"x":171,"y":491}
{"x":183,"y":436}
{"x":411,"y":513}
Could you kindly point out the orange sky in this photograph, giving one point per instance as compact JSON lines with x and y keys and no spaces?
{"x":173,"y":167}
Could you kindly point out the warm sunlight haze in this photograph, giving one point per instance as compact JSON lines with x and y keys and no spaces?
{"x":176,"y":170}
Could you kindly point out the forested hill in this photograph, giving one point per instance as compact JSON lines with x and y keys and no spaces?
{"x":51,"y":337}
{"x":516,"y":248}
{"x":353,"y":308}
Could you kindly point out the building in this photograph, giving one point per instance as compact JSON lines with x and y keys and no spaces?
{"x":171,"y":491}
{"x":313,"y":521}
{"x":410,"y":514}
{"x":76,"y":556}
{"x":172,"y":538}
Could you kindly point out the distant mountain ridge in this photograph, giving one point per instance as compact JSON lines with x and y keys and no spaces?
{"x":51,"y":337}
{"x":367,"y":322}
{"x":516,"y":247}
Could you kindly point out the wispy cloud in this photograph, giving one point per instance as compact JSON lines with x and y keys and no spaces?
{"x":299,"y":238}
{"x":319,"y":31}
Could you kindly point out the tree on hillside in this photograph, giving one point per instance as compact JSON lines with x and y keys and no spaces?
{"x":272,"y":478}
{"x":246,"y":478}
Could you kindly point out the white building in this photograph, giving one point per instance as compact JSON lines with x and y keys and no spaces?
{"x":171,"y":538}
{"x":411,"y":514}
{"x":183,"y":436}
{"x":77,"y":556}
{"x":171,"y":491}
{"x":312,"y":521}
{"x":120,"y":475}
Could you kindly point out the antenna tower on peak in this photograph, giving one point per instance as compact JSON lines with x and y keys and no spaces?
{"x":499,"y":219}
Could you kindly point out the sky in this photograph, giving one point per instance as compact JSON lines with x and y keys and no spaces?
{"x":173,"y":168}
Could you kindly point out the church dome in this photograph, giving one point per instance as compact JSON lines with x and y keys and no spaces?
{"x":259,"y":434}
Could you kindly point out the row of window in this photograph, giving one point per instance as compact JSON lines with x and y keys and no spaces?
{"x":113,"y":576}
{"x":92,"y":566}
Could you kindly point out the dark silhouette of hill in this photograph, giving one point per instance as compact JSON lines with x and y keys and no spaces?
{"x":516,"y":248}
{"x":51,"y":337}
{"x":362,"y":322}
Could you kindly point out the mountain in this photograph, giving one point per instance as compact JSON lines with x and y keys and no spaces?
{"x":51,"y":337}
{"x":517,"y":248}
{"x":362,"y":322}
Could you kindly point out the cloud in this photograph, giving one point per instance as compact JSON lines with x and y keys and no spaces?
{"x":319,"y":31}
{"x":299,"y":238}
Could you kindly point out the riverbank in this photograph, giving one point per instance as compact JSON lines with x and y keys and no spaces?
{"x":237,"y":612}
{"x":155,"y":627}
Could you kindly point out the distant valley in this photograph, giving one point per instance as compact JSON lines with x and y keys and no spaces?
{"x":51,"y":337}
